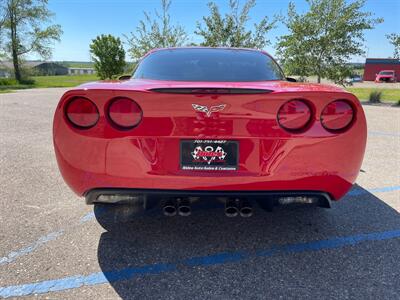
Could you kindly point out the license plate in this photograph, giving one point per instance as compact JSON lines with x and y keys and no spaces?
{"x":209,"y":155}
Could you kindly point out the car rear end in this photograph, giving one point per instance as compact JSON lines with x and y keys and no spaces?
{"x":118,"y":142}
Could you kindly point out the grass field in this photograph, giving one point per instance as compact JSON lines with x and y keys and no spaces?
{"x":389,"y":95}
{"x":50,"y":81}
{"x":62,"y":81}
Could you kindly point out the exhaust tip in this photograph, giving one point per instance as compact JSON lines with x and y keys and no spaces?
{"x":184,"y":211}
{"x":169,"y":209}
{"x":231,"y":212}
{"x":184,"y":208}
{"x":231,"y":208}
{"x":246,"y":210}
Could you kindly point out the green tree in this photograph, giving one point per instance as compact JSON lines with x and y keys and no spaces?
{"x":394,"y":39}
{"x":322,"y":41}
{"x":24,"y":30}
{"x":231,"y":30}
{"x":2,"y":22}
{"x":156,"y":32}
{"x":108,"y":56}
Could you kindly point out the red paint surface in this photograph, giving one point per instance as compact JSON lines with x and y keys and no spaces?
{"x":271,"y":158}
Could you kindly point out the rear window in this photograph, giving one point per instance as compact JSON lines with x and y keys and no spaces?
{"x":386,"y":73}
{"x":208,"y":65}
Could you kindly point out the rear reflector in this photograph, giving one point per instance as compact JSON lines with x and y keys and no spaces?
{"x":337,"y":115}
{"x":298,"y":199}
{"x":294,"y":115}
{"x":109,"y":198}
{"x":82,"y":112}
{"x":125,"y":113}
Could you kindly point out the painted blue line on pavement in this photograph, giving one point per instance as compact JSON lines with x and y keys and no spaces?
{"x":12,"y":256}
{"x":81,"y":280}
{"x":30,"y":248}
{"x":222,"y":258}
{"x":392,"y":134}
{"x":89,"y":216}
{"x":385,"y":189}
{"x":331,"y":243}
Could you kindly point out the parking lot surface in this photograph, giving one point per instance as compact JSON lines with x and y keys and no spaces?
{"x":52,"y":247}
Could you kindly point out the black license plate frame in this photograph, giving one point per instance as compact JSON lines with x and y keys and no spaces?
{"x":209,"y":155}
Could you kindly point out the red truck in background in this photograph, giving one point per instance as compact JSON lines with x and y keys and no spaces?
{"x":386,"y":76}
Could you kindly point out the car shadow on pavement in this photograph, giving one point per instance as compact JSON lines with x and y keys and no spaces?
{"x":368,"y":269}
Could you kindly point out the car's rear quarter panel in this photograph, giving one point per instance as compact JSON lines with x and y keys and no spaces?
{"x":270,"y":158}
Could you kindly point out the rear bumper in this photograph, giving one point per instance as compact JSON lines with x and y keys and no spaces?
{"x":385,"y":79}
{"x":328,"y":165}
{"x":149,"y":198}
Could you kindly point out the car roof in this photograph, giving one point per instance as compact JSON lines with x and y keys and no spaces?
{"x":204,"y":47}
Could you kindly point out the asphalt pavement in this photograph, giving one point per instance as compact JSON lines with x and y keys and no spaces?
{"x":51,"y":246}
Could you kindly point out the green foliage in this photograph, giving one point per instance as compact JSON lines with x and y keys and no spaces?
{"x":23,"y":26}
{"x":28,"y":81}
{"x":2,"y":29}
{"x":375,"y":97}
{"x":7,"y":81}
{"x":108,"y":56}
{"x":387,"y":94}
{"x":156,"y":32}
{"x":394,"y":39}
{"x":322,"y":40}
{"x":63,"y":81}
{"x":231,"y":30}
{"x":7,"y":84}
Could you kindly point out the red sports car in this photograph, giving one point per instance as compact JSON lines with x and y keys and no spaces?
{"x":219,"y":123}
{"x":386,"y":76}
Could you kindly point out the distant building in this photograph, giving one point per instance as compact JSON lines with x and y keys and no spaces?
{"x":81,"y":71}
{"x":49,"y":68}
{"x":374,"y":65}
{"x":35,"y":68}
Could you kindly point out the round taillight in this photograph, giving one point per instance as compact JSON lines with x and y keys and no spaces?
{"x":294,"y":115}
{"x":82,"y":112}
{"x":337,"y":115}
{"x":125,"y":113}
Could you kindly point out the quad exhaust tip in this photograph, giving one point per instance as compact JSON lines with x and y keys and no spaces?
{"x":178,"y":206}
{"x":236,"y":207}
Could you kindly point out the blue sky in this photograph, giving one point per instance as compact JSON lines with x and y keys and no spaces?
{"x":83,"y":20}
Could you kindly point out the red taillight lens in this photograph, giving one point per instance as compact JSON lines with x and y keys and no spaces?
{"x":82,"y":112}
{"x":125,"y":112}
{"x":337,"y":115}
{"x":294,"y":115}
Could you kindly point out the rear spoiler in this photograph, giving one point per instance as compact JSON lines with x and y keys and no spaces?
{"x":210,"y":91}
